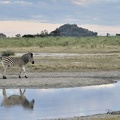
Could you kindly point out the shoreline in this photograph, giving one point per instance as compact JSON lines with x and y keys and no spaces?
{"x":46,"y":80}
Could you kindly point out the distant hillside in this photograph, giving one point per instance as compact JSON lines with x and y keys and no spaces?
{"x":72,"y":30}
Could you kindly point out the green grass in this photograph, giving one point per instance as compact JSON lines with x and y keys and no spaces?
{"x":67,"y":44}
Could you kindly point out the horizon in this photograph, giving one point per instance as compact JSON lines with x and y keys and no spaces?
{"x":24,"y":27}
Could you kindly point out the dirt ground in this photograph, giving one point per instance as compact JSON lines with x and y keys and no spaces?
{"x":61,"y":80}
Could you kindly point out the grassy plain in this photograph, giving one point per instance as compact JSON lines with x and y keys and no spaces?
{"x":108,"y":46}
{"x":62,"y":44}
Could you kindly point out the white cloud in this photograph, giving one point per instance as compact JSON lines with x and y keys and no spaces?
{"x":111,"y":0}
{"x":23,"y":2}
{"x":70,"y":20}
{"x":86,"y":2}
{"x":82,"y":2}
{"x":5,"y":2}
{"x":15,"y":2}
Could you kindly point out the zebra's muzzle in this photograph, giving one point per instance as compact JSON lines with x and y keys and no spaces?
{"x":33,"y":62}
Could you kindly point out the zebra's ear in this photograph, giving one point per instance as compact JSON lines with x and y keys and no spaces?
{"x":31,"y":54}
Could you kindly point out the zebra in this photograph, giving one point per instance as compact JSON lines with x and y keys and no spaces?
{"x":16,"y":61}
{"x":17,"y":100}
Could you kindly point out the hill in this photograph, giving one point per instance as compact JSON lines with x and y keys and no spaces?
{"x":72,"y":30}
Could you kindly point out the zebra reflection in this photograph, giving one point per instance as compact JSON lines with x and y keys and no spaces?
{"x":16,"y":61}
{"x":16,"y":100}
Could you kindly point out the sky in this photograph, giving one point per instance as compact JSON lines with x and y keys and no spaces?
{"x":33,"y":16}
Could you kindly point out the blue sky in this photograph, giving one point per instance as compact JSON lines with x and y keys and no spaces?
{"x":93,"y":14}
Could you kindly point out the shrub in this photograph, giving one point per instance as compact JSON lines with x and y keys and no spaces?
{"x":7,"y":53}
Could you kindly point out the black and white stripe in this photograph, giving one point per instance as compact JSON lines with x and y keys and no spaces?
{"x":16,"y":61}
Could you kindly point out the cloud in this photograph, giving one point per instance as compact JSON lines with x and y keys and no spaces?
{"x":70,"y":19}
{"x":15,"y":2}
{"x":99,"y":12}
{"x":87,"y":2}
{"x":82,"y":2}
{"x":5,"y":2}
{"x":23,"y":2}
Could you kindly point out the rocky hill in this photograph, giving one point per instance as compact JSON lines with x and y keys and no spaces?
{"x":72,"y":30}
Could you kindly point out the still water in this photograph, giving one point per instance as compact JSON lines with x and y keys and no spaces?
{"x":59,"y":103}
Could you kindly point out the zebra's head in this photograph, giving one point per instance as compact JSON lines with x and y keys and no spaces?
{"x":28,"y":104}
{"x":28,"y":58}
{"x":31,"y":58}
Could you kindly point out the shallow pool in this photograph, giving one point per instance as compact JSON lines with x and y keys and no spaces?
{"x":59,"y":103}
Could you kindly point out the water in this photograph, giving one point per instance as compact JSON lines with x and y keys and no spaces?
{"x":62,"y":103}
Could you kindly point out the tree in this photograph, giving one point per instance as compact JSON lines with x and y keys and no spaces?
{"x":2,"y":35}
{"x":107,"y":35}
{"x":44,"y":33}
{"x":18,"y":35}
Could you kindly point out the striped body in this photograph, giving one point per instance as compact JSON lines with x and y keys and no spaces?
{"x":11,"y":61}
{"x":16,"y":61}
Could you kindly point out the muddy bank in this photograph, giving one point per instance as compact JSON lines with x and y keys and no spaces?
{"x":60,"y":79}
{"x":93,"y":117}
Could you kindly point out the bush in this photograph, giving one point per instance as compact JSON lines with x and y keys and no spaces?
{"x":7,"y":53}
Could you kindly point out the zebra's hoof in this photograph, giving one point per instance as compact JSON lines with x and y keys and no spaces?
{"x":26,"y":77}
{"x":19,"y":76}
{"x":4,"y":77}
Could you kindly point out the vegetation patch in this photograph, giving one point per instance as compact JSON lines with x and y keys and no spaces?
{"x":7,"y":53}
{"x":93,"y":44}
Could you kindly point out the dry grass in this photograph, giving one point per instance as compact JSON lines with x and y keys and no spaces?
{"x":107,"y":118}
{"x":77,"y":63}
{"x":63,"y":49}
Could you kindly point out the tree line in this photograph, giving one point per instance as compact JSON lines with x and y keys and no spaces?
{"x":65,"y":30}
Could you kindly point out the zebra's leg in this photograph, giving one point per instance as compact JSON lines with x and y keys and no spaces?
{"x":4,"y":93}
{"x":4,"y":72}
{"x":22,"y":68}
{"x":20,"y":72}
{"x":24,"y":71}
{"x":5,"y":98}
{"x":22,"y":93}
